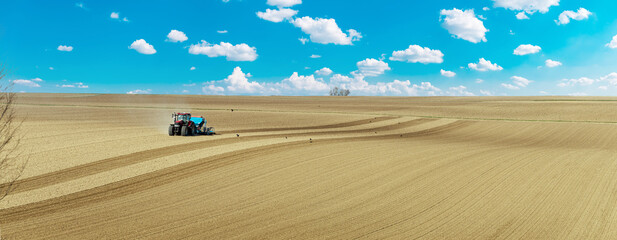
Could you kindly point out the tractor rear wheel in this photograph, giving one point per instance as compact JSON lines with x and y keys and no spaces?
{"x":171,"y":130}
{"x":184,"y":131}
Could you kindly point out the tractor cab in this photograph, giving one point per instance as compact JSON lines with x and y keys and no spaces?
{"x":184,"y":117}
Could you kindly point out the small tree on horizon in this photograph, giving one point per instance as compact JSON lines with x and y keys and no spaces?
{"x":335,"y":91}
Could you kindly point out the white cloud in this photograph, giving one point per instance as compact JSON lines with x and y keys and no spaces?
{"x":447,"y":73}
{"x":550,"y":63}
{"x":324,"y":31}
{"x":237,"y":82}
{"x":478,"y":81}
{"x":372,"y":67}
{"x":221,"y":31}
{"x":303,"y":40}
{"x":603,"y":88}
{"x":358,"y":86}
{"x":315,"y":56}
{"x":176,"y":36}
{"x":463,"y":25}
{"x":484,"y":65}
{"x":521,"y":16}
{"x":525,"y":49}
{"x":486,"y":93}
{"x":141,"y":46}
{"x":416,"y":54}
{"x":610,"y":78}
{"x":140,"y":91}
{"x":520,"y":81}
{"x":613,"y":43}
{"x":65,"y":48}
{"x":304,"y":83}
{"x":28,"y":83}
{"x":76,"y":85}
{"x":192,"y":68}
{"x":459,"y":91}
{"x":486,"y":8}
{"x":81,"y":5}
{"x":283,"y":3}
{"x":565,"y":16}
{"x":51,"y":68}
{"x":574,"y":82}
{"x":239,"y":52}
{"x":510,"y":86}
{"x":577,"y":94}
{"x":529,"y":6}
{"x":274,"y":15}
{"x":116,"y":15}
{"x":324,"y":71}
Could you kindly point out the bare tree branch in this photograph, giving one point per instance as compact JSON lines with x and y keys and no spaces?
{"x":11,"y":167}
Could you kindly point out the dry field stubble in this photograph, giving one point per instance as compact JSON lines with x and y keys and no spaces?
{"x":101,"y":166}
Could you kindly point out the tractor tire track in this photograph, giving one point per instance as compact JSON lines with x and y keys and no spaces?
{"x":181,"y":171}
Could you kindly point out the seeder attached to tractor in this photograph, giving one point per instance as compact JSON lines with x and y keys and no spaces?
{"x":185,"y":125}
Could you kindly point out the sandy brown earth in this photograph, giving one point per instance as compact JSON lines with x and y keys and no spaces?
{"x":102,"y":166}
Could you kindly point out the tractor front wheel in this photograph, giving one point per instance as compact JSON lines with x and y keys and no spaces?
{"x":171,"y":130}
{"x":184,"y":131}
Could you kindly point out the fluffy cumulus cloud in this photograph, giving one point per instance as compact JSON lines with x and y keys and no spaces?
{"x":236,"y":83}
{"x":551,"y":63}
{"x":529,"y":6}
{"x":141,"y":46}
{"x":303,"y":83}
{"x":459,"y":91}
{"x":415,"y":54}
{"x":65,"y":48}
{"x":610,"y":79}
{"x":116,"y":15}
{"x":525,"y":49}
{"x":584,"y":81}
{"x":277,"y":15}
{"x":358,"y":86}
{"x":325,"y":31}
{"x":510,"y":86}
{"x":517,"y":83}
{"x":324,"y":71}
{"x":521,"y":16}
{"x":484,"y":65}
{"x":140,"y":91}
{"x":176,"y":36}
{"x":565,"y":16}
{"x":28,"y":82}
{"x":283,"y":3}
{"x":372,"y":67}
{"x":613,"y":43}
{"x":464,"y":25}
{"x":239,"y":52}
{"x":520,"y":81}
{"x":315,"y":56}
{"x":447,"y":73}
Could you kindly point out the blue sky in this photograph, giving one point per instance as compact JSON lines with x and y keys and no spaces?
{"x":295,"y":47}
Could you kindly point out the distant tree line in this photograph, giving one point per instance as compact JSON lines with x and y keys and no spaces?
{"x":339,"y":92}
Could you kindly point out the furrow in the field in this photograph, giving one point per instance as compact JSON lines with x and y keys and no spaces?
{"x":124,"y":160}
{"x":337,"y":125}
{"x":148,"y":173}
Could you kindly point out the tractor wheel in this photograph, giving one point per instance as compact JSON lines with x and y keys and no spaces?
{"x":184,"y":131}
{"x":171,"y":130}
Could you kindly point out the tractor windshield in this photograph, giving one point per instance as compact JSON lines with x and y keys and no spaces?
{"x":183,"y":117}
